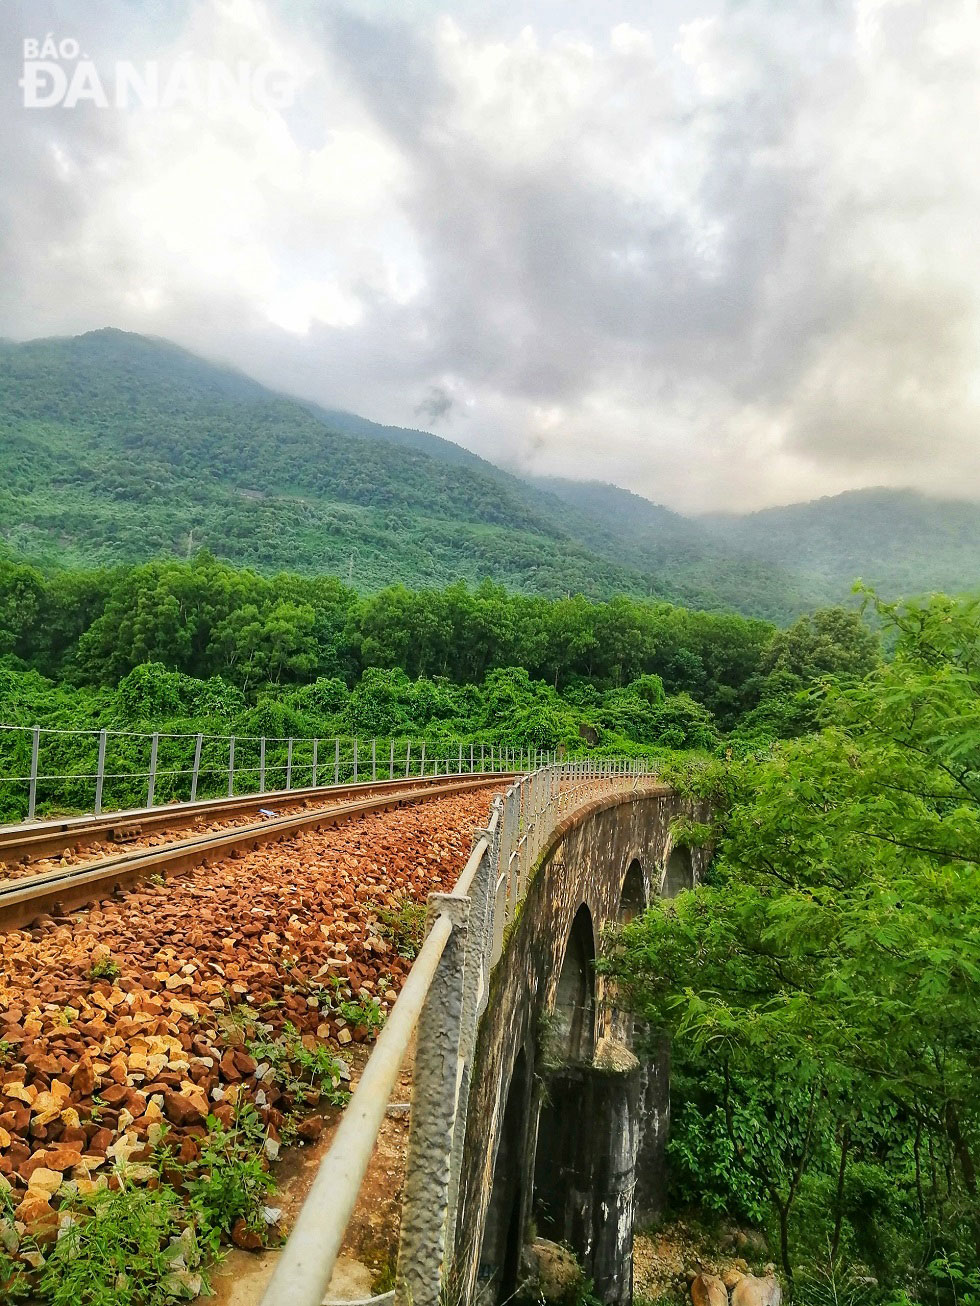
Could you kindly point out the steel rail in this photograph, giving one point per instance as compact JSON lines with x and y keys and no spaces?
{"x":67,"y":888}
{"x":48,"y":838}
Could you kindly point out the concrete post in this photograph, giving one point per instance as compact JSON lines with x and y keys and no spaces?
{"x":32,"y":792}
{"x":151,"y":779}
{"x":425,"y":1205}
{"x":195,"y":772}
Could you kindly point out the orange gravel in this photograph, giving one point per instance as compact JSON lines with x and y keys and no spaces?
{"x":92,"y":1069}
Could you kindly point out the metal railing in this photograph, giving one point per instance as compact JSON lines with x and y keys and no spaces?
{"x":445,"y":994}
{"x":48,"y":771}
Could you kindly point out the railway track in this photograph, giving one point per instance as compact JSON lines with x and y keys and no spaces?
{"x":64,"y":889}
{"x":40,"y":839}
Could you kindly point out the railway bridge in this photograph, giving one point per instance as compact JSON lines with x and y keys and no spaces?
{"x":536,"y":1105}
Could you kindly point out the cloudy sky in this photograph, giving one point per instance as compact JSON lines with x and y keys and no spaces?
{"x":723,"y":252}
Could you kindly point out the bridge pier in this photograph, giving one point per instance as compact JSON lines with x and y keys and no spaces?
{"x":651,"y":1161}
{"x":568,"y":1094}
{"x":585,"y":1178}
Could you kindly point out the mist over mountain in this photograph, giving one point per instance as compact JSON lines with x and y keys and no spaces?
{"x":117,"y":447}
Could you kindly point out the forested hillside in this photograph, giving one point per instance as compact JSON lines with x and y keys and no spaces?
{"x":115,"y":448}
{"x":900,"y":541}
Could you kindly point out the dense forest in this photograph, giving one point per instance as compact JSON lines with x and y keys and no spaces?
{"x":183,"y":647}
{"x":821,"y":987}
{"x":117,"y":449}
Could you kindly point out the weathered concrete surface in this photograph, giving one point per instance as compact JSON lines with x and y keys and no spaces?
{"x":651,"y":1165}
{"x":607,"y":1135}
{"x":427,"y":1175}
{"x":585,"y":1170}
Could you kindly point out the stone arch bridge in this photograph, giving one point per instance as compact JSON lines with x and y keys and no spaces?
{"x":533,"y":1106}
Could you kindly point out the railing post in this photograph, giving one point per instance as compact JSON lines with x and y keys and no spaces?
{"x":425,"y":1205}
{"x":391,"y":761}
{"x":262,"y":765}
{"x":316,"y":745}
{"x":336,"y":761}
{"x":422,"y":762}
{"x":195,"y":772}
{"x":459,"y":769}
{"x":231,"y":766}
{"x":374,"y":759}
{"x":408,"y":757}
{"x":100,"y":773}
{"x":289,"y":764}
{"x":151,"y":782}
{"x":32,"y":792}
{"x":471,"y":760}
{"x":355,"y":759}
{"x":501,"y":882}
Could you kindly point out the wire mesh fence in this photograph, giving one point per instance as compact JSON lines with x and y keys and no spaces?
{"x":49,"y":772}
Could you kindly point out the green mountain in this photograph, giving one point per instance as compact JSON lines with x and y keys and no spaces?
{"x":902,"y":542}
{"x":117,"y":448}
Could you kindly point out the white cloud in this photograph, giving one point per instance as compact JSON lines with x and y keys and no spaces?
{"x":725,"y":261}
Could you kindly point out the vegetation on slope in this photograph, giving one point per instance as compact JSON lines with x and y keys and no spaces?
{"x":899,"y":541}
{"x":203,"y":647}
{"x":117,"y":449}
{"x":822,"y":987}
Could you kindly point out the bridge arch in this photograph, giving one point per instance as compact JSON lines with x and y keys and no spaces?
{"x":678,"y":873}
{"x":633,"y":894}
{"x":575,"y":995}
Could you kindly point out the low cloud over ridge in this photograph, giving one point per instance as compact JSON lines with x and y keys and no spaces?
{"x":726,"y":260}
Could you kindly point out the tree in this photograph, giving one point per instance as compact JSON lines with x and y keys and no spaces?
{"x":828,"y":642}
{"x":836,"y":947}
{"x":21,"y":598}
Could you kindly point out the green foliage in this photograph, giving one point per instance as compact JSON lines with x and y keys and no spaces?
{"x":826,"y":979}
{"x":704,"y":1139}
{"x":335,"y":997}
{"x":126,"y":1248}
{"x":404,"y":925}
{"x":232,"y":1179}
{"x":828,"y":642}
{"x":149,"y":650}
{"x":308,"y":1074}
{"x":105,"y":968}
{"x":15,"y":1275}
